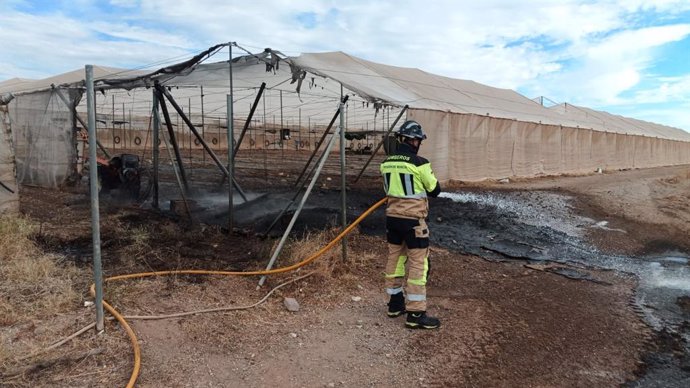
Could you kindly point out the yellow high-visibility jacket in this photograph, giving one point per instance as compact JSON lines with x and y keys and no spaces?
{"x":408,"y":180}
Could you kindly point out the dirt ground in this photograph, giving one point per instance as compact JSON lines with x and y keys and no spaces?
{"x":503,"y":324}
{"x":652,"y":205}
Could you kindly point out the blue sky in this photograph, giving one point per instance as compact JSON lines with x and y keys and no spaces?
{"x":628,"y":57}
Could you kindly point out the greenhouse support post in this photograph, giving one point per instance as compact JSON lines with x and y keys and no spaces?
{"x":95,"y":211}
{"x":343,"y":180}
{"x":231,"y":141}
{"x":156,"y":149}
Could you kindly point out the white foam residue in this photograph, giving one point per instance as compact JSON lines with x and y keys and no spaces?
{"x":658,"y":276}
{"x":536,"y":208}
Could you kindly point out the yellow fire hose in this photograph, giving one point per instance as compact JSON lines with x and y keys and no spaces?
{"x":132,"y":335}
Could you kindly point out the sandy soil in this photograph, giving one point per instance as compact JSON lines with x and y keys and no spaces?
{"x":503,"y":324}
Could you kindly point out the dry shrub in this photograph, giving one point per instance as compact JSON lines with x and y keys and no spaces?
{"x":14,"y":236}
{"x":363,"y":252}
{"x":299,"y":249}
{"x":34,"y":284}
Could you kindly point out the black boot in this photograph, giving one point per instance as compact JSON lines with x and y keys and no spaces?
{"x":396,"y":306}
{"x":419,"y":320}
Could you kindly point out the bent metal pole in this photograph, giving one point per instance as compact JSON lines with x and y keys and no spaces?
{"x":299,"y":208}
{"x":93,"y":186}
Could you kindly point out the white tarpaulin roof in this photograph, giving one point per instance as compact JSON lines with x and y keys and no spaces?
{"x":19,"y":85}
{"x":419,"y":89}
{"x":374,"y":82}
{"x":14,"y":84}
{"x":422,"y":90}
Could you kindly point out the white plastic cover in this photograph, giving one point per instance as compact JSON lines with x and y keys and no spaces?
{"x":9,"y":197}
{"x":42,"y":128}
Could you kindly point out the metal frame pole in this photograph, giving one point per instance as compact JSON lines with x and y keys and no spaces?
{"x":231,"y":138}
{"x":189,"y":115}
{"x":156,"y":149}
{"x":252,"y":109}
{"x":343,"y":180}
{"x":231,"y":165}
{"x":299,"y":128}
{"x":203,"y":123}
{"x":173,"y":140}
{"x":95,"y":211}
{"x":130,"y":126}
{"x":112,"y":122}
{"x":179,"y":182}
{"x":265,"y":146}
{"x":299,"y":209}
{"x":282,"y":127}
{"x":381,"y":143}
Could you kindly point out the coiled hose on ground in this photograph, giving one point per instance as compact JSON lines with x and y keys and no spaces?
{"x":132,"y":336}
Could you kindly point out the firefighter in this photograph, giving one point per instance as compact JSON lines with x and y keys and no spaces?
{"x":408,"y":181}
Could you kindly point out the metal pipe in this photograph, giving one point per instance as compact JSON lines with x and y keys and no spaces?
{"x":189,"y":114}
{"x":81,"y":121}
{"x":130,"y":125}
{"x":343,"y":180}
{"x":95,"y":211}
{"x":381,"y":143}
{"x":179,"y":182}
{"x":282,"y":137}
{"x":112,"y":122}
{"x":231,"y":139}
{"x":299,"y":128}
{"x":173,"y":141}
{"x":79,"y":153}
{"x":156,"y":148}
{"x":328,"y":129}
{"x":299,"y":209}
{"x":249,"y":118}
{"x":203,"y":124}
{"x":231,"y":166}
{"x":265,"y":146}
{"x":208,"y":149}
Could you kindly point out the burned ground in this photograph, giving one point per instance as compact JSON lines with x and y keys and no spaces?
{"x":511,"y":320}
